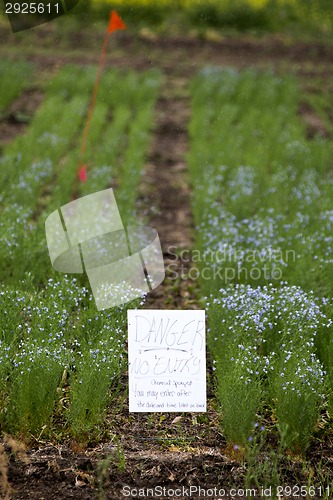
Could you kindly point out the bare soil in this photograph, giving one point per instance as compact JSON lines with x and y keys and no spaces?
{"x":154,"y":449}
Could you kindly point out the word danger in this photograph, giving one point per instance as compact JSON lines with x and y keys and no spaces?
{"x":169,"y":332}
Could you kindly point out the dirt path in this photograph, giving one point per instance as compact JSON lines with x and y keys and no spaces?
{"x":166,"y":185}
{"x":166,"y":172}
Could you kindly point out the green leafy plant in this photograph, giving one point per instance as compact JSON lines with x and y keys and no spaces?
{"x":14,"y":78}
{"x":263,"y":215}
{"x":49,"y":324}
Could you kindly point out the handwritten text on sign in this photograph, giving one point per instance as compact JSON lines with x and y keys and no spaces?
{"x":167,"y":361}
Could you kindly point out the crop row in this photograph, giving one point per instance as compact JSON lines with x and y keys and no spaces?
{"x":262,"y":196}
{"x":58,"y":356}
{"x":39,"y":169}
{"x":242,"y":15}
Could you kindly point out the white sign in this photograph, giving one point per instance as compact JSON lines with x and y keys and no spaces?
{"x":167,"y":361}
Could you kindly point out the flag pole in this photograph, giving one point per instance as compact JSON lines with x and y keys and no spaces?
{"x":115,"y":23}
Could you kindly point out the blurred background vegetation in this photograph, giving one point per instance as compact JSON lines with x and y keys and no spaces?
{"x":297,"y":19}
{"x":312,"y":18}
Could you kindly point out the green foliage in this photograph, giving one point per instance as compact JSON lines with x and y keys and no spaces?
{"x":90,"y":385}
{"x":39,"y":169}
{"x":15,"y":76}
{"x":240,"y":399}
{"x":296,"y":400}
{"x":263,"y":342}
{"x":48,"y":323}
{"x":261,"y":200}
{"x":239,"y":15}
{"x":307,"y":17}
{"x":49,"y":332}
{"x":259,"y":183}
{"x":33,"y":391}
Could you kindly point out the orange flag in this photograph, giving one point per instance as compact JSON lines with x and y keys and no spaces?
{"x":116,"y":22}
{"x":83,"y":173}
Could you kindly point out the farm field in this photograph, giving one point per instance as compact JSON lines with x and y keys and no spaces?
{"x":225,"y":147}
